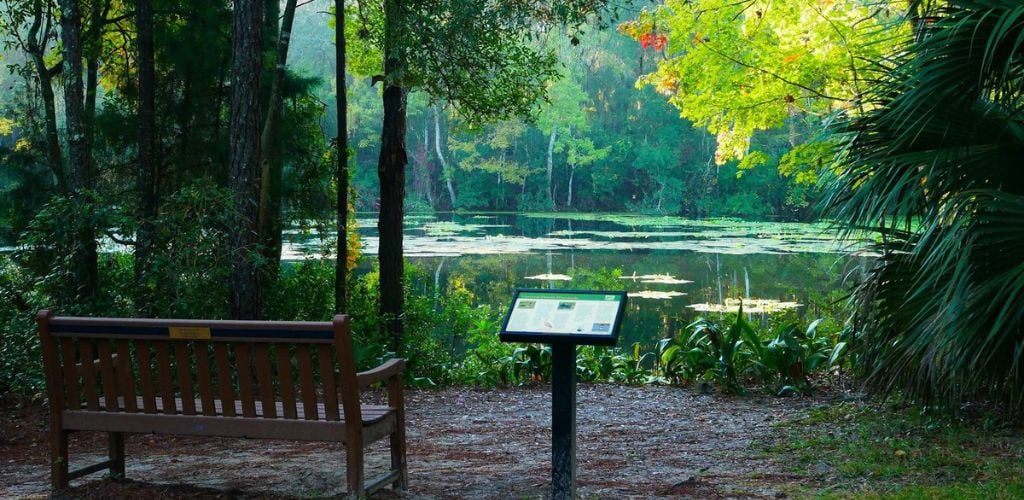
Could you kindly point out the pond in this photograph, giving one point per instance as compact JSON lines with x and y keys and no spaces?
{"x":673,"y":268}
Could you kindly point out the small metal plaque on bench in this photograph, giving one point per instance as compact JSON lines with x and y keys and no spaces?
{"x":573,"y":316}
{"x":189,"y":332}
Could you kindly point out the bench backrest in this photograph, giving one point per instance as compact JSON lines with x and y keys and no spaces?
{"x":197,"y":367}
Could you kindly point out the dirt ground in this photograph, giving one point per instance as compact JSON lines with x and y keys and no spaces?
{"x":642,"y":442}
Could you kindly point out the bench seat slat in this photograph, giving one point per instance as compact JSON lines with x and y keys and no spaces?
{"x":370,"y":413}
{"x":201,"y":425}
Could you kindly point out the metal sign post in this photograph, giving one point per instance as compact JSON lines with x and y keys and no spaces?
{"x":563,"y":421}
{"x":564,"y":319}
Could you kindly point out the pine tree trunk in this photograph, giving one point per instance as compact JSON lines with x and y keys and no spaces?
{"x":445,"y":171}
{"x":391,"y":173}
{"x":79,"y":148}
{"x":148,"y":171}
{"x":551,"y":167}
{"x":271,"y":167}
{"x":244,"y":157}
{"x":341,"y":170}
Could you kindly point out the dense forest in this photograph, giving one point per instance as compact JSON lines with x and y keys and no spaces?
{"x":153,"y":152}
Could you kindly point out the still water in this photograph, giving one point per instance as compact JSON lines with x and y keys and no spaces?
{"x":667,"y":264}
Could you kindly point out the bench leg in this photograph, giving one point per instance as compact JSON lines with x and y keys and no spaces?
{"x":59,"y":459}
{"x":354,"y":466}
{"x":398,"y":463}
{"x":115,"y":451}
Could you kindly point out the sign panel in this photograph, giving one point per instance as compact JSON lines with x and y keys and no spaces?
{"x":574,"y":316}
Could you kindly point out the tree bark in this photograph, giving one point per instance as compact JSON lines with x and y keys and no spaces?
{"x":391,"y":173}
{"x":79,"y":148}
{"x":271,"y":167}
{"x":341,"y":171}
{"x":572,"y":173}
{"x":36,"y":43}
{"x":445,"y":171}
{"x":244,"y":157}
{"x":147,"y":164}
{"x":551,"y":166}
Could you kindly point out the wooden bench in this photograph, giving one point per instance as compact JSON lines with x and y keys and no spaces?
{"x":249,"y":379}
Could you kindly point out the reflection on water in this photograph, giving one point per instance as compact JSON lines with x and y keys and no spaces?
{"x":667,"y":263}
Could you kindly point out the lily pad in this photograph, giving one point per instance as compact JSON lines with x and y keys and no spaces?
{"x":655,"y":294}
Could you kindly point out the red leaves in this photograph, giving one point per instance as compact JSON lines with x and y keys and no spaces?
{"x":652,"y":40}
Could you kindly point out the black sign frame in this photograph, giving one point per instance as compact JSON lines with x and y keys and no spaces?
{"x":609,"y":339}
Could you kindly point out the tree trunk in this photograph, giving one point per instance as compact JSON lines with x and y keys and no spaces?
{"x":79,"y":148}
{"x":341,"y":171}
{"x":97,"y":17}
{"x":244,"y":157}
{"x":148,"y":172}
{"x":426,"y":166}
{"x":271,"y":167}
{"x":36,"y":43}
{"x":572,"y":173}
{"x":551,"y":167}
{"x":391,"y":173}
{"x":445,"y":171}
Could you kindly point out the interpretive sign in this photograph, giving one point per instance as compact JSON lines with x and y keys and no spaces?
{"x":564,"y":319}
{"x":576,"y":316}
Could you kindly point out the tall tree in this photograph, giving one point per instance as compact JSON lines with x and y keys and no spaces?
{"x":391,"y":169}
{"x":147,"y":163}
{"x":39,"y":17}
{"x":244,"y":157}
{"x":341,"y":157}
{"x":271,"y":166}
{"x":79,"y":148}
{"x":558,"y":117}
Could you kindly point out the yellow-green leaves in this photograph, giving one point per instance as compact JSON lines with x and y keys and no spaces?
{"x":737,"y":67}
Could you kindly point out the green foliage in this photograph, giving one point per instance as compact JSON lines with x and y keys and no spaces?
{"x":783,"y":358}
{"x":934,"y":166}
{"x":770,"y":60}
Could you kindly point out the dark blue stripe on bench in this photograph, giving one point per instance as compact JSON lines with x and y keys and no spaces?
{"x":214,"y":332}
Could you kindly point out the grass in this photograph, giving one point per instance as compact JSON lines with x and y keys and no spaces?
{"x":861,"y":450}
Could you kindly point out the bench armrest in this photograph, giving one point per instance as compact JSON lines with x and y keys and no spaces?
{"x":391,"y":368}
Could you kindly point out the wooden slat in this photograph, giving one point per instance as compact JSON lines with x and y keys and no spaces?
{"x":146,"y":375}
{"x":184,"y":362}
{"x":107,"y":379}
{"x":244,"y":362}
{"x":266,"y":380}
{"x":72,"y":400}
{"x":227,"y":392}
{"x":328,"y":383}
{"x":163,"y":368}
{"x":371,"y":413}
{"x":125,"y":376}
{"x":306,"y":382}
{"x":205,"y":378}
{"x":88,"y":364}
{"x":284,"y":376}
